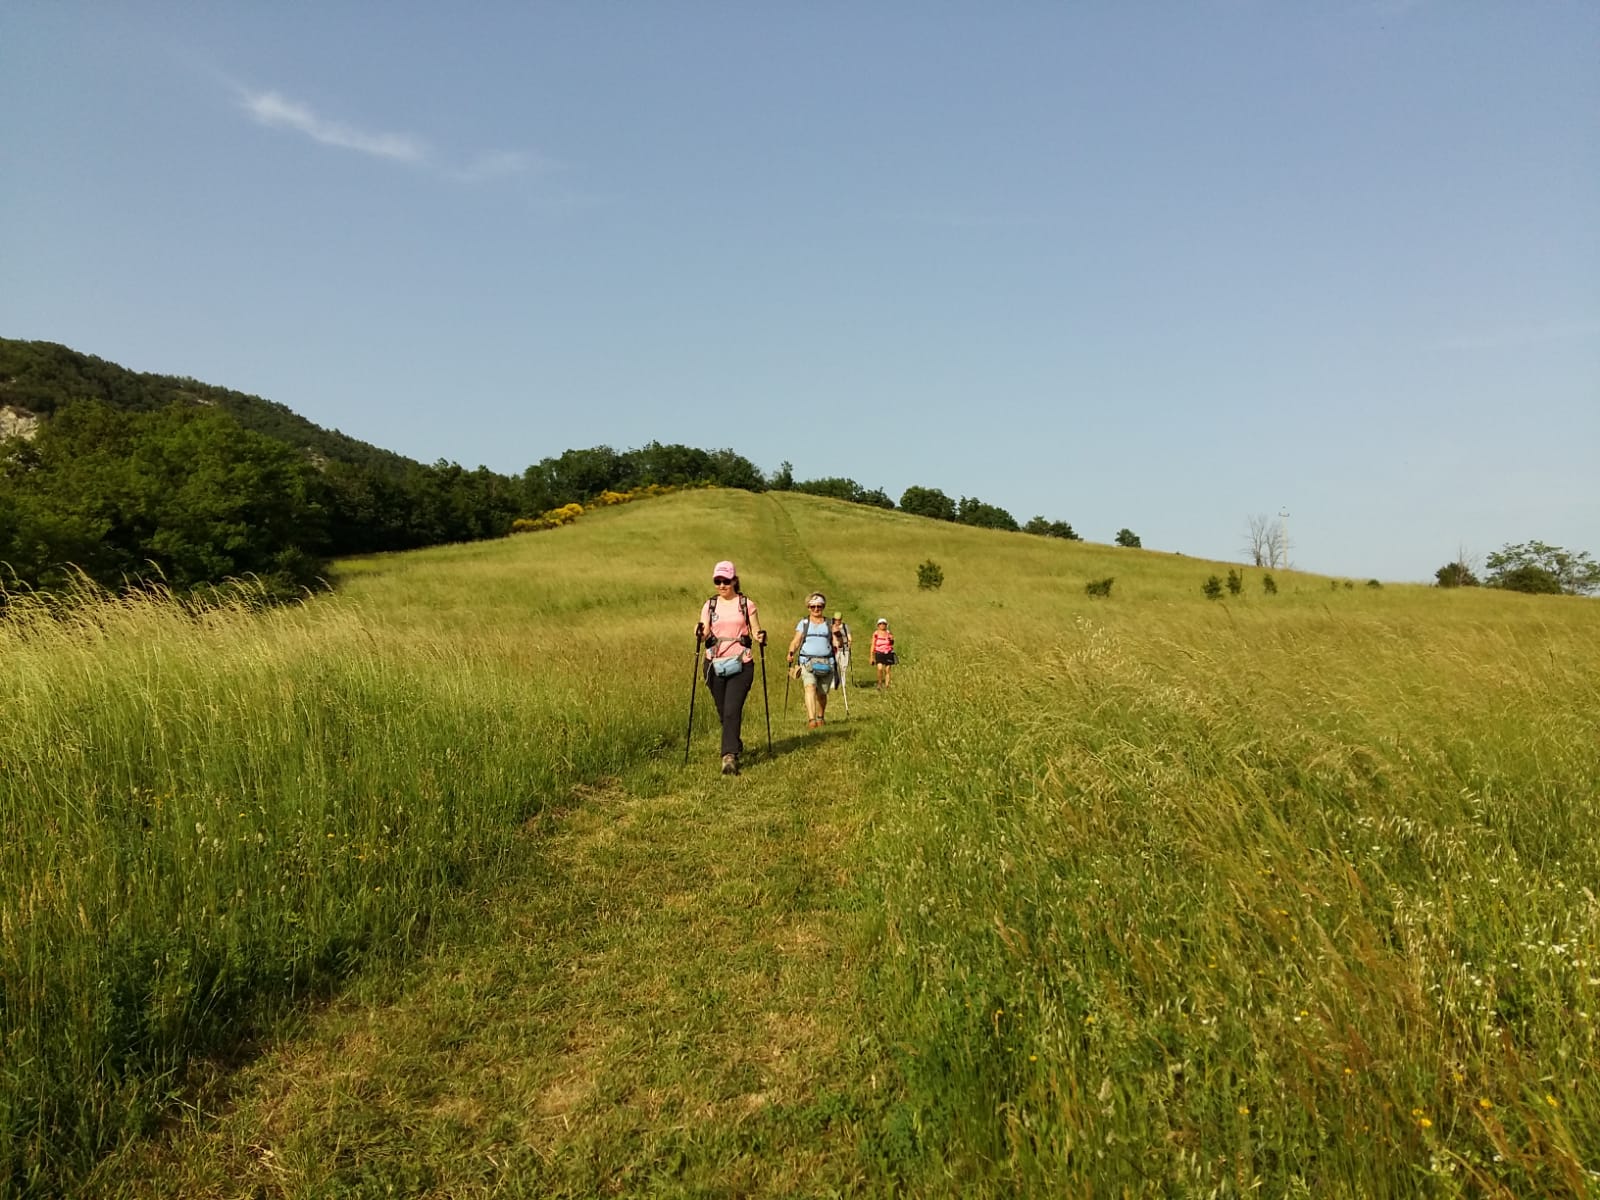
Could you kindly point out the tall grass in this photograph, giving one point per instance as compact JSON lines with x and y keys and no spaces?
{"x":1291,"y":894}
{"x":1288,"y":894}
{"x":1204,"y":910}
{"x":210,"y":812}
{"x":206,"y":813}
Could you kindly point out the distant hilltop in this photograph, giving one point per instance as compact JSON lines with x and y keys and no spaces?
{"x":37,"y":378}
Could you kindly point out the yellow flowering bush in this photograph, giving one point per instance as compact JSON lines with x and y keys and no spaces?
{"x":568,"y":513}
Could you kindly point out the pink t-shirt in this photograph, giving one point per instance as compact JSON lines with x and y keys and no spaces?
{"x":729,"y":626}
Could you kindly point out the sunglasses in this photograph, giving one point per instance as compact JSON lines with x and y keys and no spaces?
{"x":720,"y":581}
{"x":814,"y":606}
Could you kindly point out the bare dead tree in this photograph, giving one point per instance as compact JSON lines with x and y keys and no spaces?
{"x":1267,"y":541}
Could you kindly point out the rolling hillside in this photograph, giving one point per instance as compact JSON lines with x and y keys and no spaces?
{"x":38,"y":377}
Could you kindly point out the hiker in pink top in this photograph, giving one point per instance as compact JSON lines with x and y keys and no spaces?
{"x":729,"y":626}
{"x":883,"y":651}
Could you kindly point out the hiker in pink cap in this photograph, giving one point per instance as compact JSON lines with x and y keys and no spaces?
{"x":729,"y":626}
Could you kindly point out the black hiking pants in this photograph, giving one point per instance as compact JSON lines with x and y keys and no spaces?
{"x":728,"y":693}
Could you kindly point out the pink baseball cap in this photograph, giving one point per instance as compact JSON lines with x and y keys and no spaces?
{"x":724,"y":570}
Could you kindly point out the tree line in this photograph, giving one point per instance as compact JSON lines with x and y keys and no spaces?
{"x":924,"y":502}
{"x":1535,"y":568}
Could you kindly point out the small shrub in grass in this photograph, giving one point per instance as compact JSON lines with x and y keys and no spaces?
{"x":1373,"y":583}
{"x":1098,"y":587}
{"x":929,"y":575}
{"x":1212,"y":587}
{"x":1269,"y":585}
{"x":1235,"y":582}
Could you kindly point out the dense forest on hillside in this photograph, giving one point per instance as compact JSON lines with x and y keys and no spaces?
{"x":131,"y":477}
{"x":42,"y":377}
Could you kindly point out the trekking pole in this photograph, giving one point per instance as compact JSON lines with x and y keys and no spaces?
{"x":694,"y":686}
{"x":766,"y":707}
{"x":844,"y":684}
{"x":786,"y":677}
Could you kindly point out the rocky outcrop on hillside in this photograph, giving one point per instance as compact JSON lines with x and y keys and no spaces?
{"x":16,"y":422}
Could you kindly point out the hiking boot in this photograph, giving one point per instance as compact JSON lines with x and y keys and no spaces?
{"x":730,"y":765}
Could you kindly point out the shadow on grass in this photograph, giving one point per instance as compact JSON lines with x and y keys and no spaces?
{"x":785,"y":742}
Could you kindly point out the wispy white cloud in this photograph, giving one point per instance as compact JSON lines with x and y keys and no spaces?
{"x":279,"y":112}
{"x":497,"y":164}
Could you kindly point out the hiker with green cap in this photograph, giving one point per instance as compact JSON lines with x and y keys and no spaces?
{"x":813,"y":653}
{"x":729,"y":625}
{"x":841,"y":639}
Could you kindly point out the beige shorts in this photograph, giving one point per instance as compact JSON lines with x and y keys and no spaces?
{"x":810,"y":679}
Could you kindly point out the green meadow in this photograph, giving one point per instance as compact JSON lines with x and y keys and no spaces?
{"x":406,"y":890}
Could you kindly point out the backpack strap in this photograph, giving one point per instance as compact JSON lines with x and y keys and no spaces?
{"x":832,"y":650}
{"x":711,"y":614}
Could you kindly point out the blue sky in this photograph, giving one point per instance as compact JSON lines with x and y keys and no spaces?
{"x":1162,"y":265}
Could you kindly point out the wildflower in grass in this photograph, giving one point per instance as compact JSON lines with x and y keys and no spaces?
{"x":1425,"y":1123}
{"x":1244,"y":1110}
{"x":1552,"y":1102}
{"x":1485,"y":1102}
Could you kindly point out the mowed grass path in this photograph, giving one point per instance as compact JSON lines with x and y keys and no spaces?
{"x":664,"y":1001}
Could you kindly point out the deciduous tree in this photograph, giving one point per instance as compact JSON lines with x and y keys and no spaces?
{"x":1534,"y":566}
{"x":1055,"y":529}
{"x":1266,"y":541}
{"x":973,"y":511}
{"x":928,"y":502}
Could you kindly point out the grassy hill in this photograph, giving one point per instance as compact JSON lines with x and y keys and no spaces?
{"x":38,"y":377}
{"x":1144,"y":895}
